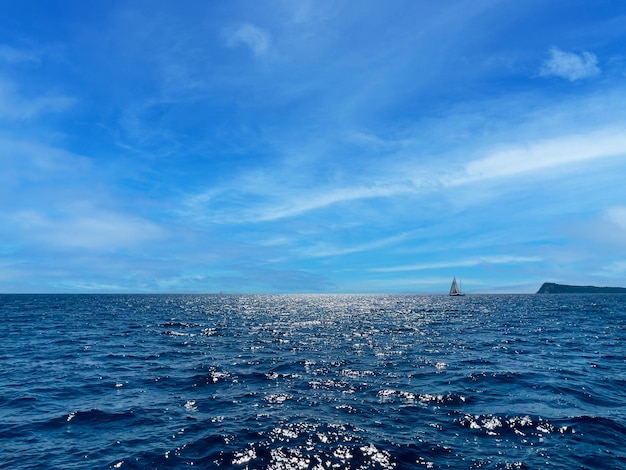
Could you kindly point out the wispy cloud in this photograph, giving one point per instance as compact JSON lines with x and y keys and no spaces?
{"x":24,"y":161}
{"x":266,"y":199}
{"x":253,"y":37}
{"x":543,"y":154}
{"x":608,"y":230}
{"x":39,"y":175}
{"x":265,"y":196}
{"x":461,"y":263}
{"x":17,"y":101}
{"x":614,"y":270}
{"x":64,"y":202}
{"x":617,"y":216}
{"x":91,"y":229}
{"x":12,"y":55}
{"x":310,"y":201}
{"x":320,"y":250}
{"x":570,"y":65}
{"x":14,"y":105}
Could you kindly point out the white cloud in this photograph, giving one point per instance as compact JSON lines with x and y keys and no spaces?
{"x":251,"y":36}
{"x":545,"y":154}
{"x":569,"y":65}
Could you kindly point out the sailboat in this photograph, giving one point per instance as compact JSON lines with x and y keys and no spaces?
{"x":454,"y":290}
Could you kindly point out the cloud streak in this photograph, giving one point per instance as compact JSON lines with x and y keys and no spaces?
{"x":12,"y":55}
{"x":546,"y":154}
{"x":460,"y":263}
{"x":15,"y":106}
{"x":94,"y":230}
{"x":322,"y":251}
{"x":311,"y":201}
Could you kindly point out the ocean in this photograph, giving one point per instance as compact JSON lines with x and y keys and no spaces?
{"x":313,"y":382}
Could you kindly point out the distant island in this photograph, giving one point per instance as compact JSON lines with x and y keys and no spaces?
{"x":552,"y":288}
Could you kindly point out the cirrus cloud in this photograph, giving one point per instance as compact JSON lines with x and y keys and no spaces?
{"x":86,"y":229}
{"x":255,"y":38}
{"x":12,"y":55}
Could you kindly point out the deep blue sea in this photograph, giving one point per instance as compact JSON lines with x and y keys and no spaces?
{"x":313,"y":382}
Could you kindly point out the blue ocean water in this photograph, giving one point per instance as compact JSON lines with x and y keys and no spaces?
{"x":313,"y":382}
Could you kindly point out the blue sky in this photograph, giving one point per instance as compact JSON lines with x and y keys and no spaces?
{"x":311,"y":146}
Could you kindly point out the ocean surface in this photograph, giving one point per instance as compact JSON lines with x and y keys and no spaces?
{"x":313,"y":382}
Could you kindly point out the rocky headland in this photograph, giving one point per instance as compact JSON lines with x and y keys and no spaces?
{"x":552,"y":288}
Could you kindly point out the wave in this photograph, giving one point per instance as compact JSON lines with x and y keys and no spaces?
{"x":500,"y":425}
{"x":390,"y":396}
{"x":25,"y":425}
{"x":600,"y":429}
{"x":94,"y":417}
{"x":289,"y":446}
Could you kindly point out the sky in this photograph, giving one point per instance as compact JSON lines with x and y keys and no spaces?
{"x":297,"y":146}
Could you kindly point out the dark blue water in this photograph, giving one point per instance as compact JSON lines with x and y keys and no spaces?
{"x":313,"y":382}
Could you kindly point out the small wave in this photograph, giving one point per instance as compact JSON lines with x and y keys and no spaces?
{"x":477,"y":361}
{"x":93,"y":417}
{"x":601,"y":428}
{"x":27,"y":402}
{"x":494,"y":425}
{"x":213,"y":377}
{"x":330,"y":384}
{"x":389,"y":395}
{"x":346,"y":408}
{"x":495,"y":379}
{"x":275,"y":376}
{"x":304,"y":446}
{"x":277,"y":399}
{"x":211,"y":332}
{"x":356,"y":373}
{"x":178,"y":324}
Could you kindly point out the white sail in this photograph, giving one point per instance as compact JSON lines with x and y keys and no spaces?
{"x":454,"y":290}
